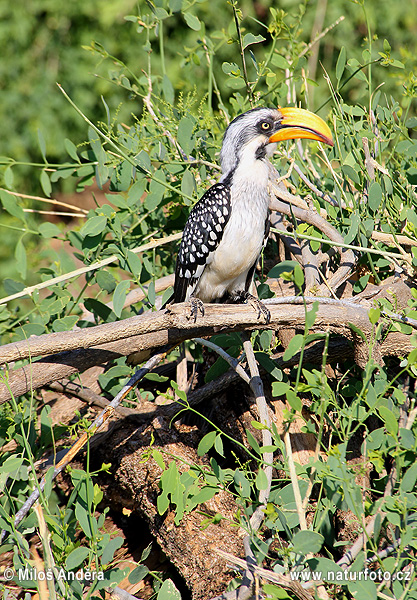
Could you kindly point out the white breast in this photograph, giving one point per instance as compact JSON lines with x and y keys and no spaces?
{"x":241,"y":244}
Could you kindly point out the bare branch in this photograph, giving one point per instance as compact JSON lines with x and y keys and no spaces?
{"x":82,"y":349}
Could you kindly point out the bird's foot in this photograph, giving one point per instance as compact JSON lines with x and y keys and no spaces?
{"x":196,"y":307}
{"x":259,"y":306}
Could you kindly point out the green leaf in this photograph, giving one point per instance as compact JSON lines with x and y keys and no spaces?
{"x":94,"y":226}
{"x":134,"y":263}
{"x":76,"y":558}
{"x":138,"y":574}
{"x":45,"y":183}
{"x":206,"y":443}
{"x":12,"y":287}
{"x":105,"y":280}
{"x":374,"y":315}
{"x":341,"y":63}
{"x":261,"y":480}
{"x":188,"y":183}
{"x":280,"y":62}
{"x":252,"y":442}
{"x":86,"y":520}
{"x":218,"y":445}
{"x":298,"y":276}
{"x":411,"y":123}
{"x":71,"y":149}
{"x":250,"y":38}
{"x":175,"y":5}
{"x":110,"y":549}
{"x":353,"y":228}
{"x":305,"y":542}
{"x":358,"y":331}
{"x":409,"y":479}
{"x":9,"y":204}
{"x":374,"y":196}
{"x":294,"y":401}
{"x":192,"y":21}
{"x":119,"y":296}
{"x":8,"y":177}
{"x":168,"y":89}
{"x":279,"y":388}
{"x":65,"y":324}
{"x":12,"y":463}
{"x":286,"y":266}
{"x":294,"y":346}
{"x":20,"y":256}
{"x":231,"y":69}
{"x":363,"y":589}
{"x":389,"y":419}
{"x":329,"y":569}
{"x":236,"y":83}
{"x":242,"y":484}
{"x":158,"y":458}
{"x":311,"y":315}
{"x":156,"y":377}
{"x":49,"y":230}
{"x":275,"y":592}
{"x":142,"y":160}
{"x":184,"y":134}
{"x":168,"y":591}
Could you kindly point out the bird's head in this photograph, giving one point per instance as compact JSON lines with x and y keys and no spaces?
{"x":253,"y":135}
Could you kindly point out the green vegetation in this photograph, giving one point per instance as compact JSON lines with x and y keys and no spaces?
{"x":170,"y":80}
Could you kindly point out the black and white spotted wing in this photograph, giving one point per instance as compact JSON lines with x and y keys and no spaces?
{"x":202,"y":234}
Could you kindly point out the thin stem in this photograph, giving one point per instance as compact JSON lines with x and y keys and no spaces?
{"x":249,"y":89}
{"x":312,"y":238}
{"x":161,"y":45}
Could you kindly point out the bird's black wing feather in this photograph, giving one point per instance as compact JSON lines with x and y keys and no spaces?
{"x":202,"y":234}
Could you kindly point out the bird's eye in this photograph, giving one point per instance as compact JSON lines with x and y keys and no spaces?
{"x":266,"y":126}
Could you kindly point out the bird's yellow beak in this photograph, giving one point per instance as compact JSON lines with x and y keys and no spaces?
{"x":300,"y":123}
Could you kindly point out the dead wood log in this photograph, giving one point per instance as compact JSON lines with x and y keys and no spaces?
{"x":191,"y":545}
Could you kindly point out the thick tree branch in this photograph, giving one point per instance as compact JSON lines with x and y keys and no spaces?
{"x":77,"y":351}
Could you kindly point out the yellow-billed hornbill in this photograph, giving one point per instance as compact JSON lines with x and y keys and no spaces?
{"x":228,"y":227}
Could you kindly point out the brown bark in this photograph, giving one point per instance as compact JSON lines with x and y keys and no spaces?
{"x":103,"y":343}
{"x":191,"y":545}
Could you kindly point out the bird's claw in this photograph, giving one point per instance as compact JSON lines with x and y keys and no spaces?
{"x":196,"y":307}
{"x":259,"y":307}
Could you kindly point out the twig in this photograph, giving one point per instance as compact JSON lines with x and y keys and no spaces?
{"x":319,"y":36}
{"x":314,"y":188}
{"x":268,"y":457}
{"x":46,"y":200}
{"x":294,"y":480}
{"x":249,"y":90}
{"x":244,"y":592}
{"x":147,"y":99}
{"x":65,"y":386}
{"x":54,"y":213}
{"x":347,"y":259}
{"x":233,"y":362}
{"x":282,"y":580}
{"x":118,"y":593}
